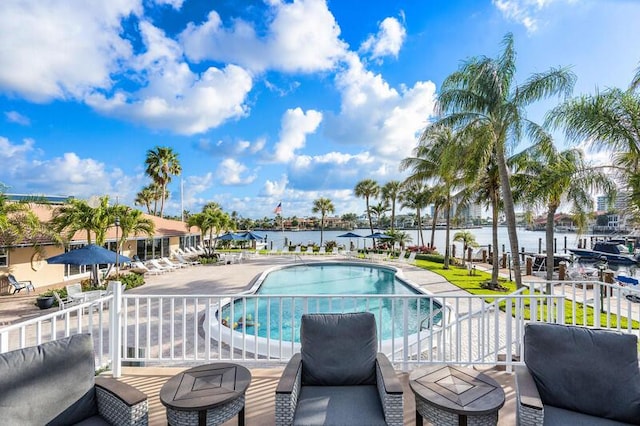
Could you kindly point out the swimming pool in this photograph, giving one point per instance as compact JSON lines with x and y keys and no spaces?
{"x":280,"y":297}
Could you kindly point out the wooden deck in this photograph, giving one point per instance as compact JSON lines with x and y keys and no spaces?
{"x":260,"y":401}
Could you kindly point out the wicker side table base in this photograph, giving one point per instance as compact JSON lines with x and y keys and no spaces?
{"x":445,"y":418}
{"x":212,"y":417}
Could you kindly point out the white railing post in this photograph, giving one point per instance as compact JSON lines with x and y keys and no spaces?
{"x":405,"y":330}
{"x":597,"y":303}
{"x":115,"y":329}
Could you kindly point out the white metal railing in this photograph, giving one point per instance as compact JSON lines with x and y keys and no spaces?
{"x":412,"y":329}
{"x":90,"y":317}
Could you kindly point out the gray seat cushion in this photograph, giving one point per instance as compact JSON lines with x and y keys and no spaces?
{"x":338,"y":349}
{"x":52,"y":383}
{"x":339,"y":405}
{"x":554,"y":416}
{"x":93,"y":421}
{"x":584,"y":370}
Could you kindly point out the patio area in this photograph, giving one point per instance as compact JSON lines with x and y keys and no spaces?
{"x":260,"y":400}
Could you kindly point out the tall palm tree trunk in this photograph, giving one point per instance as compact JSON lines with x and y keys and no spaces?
{"x":509,"y":209}
{"x":495,"y":265}
{"x":447,"y":250}
{"x":420,"y":234}
{"x":369,"y":217}
{"x":551,"y":212}
{"x":433,"y":227}
{"x":321,"y":230}
{"x":164,"y":195}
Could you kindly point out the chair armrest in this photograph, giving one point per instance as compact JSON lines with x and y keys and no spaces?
{"x":288,"y":390}
{"x":120,"y":403}
{"x":530,"y":410}
{"x":390,"y":391}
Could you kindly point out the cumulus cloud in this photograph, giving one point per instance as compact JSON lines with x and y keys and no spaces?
{"x":231,"y":172}
{"x":525,"y":12}
{"x":176,"y":4}
{"x":275,"y":189}
{"x":388,"y":40}
{"x":176,"y":98}
{"x":50,"y":60}
{"x":303,"y":36}
{"x":16,"y":117}
{"x":329,"y":171}
{"x":376,"y":115}
{"x":296,"y":125}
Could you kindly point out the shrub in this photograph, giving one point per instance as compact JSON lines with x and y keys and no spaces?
{"x":131,"y":280}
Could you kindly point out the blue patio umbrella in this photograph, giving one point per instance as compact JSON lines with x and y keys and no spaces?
{"x":90,"y":254}
{"x":350,"y":235}
{"x":250,"y":235}
{"x":230,"y":236}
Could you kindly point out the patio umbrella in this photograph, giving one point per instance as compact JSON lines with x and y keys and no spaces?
{"x":90,"y":254}
{"x":250,"y":235}
{"x":230,"y":236}
{"x":350,"y":235}
{"x":379,"y":236}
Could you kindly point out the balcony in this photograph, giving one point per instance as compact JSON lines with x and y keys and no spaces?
{"x":146,"y":335}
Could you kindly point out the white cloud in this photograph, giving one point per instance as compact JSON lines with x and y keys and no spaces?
{"x":525,"y":12}
{"x":176,"y":4}
{"x":296,"y":125}
{"x":377,"y":116}
{"x":227,"y":148}
{"x":231,"y":172}
{"x":175,"y":98}
{"x":16,"y":117}
{"x":303,"y":36}
{"x":388,"y":40}
{"x":275,"y":189}
{"x":58,"y":50}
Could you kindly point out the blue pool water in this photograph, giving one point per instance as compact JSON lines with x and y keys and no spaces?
{"x":328,"y":281}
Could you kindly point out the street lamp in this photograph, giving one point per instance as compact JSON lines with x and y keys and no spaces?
{"x":117,"y":224}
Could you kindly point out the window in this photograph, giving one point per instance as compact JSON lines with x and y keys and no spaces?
{"x":4,"y":257}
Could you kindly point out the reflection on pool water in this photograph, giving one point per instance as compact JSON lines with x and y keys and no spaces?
{"x":261,"y":316}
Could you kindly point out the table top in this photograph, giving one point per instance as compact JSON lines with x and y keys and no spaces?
{"x":205,"y":386}
{"x":457,"y":390}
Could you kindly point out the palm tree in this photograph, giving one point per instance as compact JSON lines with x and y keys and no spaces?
{"x":161,"y":164}
{"x":483,"y":92}
{"x":366,"y":189}
{"x":547,"y":177}
{"x":415,"y":197}
{"x":467,"y":239}
{"x":437,"y":157}
{"x":390,"y":193}
{"x":378,"y":210}
{"x":19,"y":224}
{"x":608,"y":120}
{"x":131,"y":221}
{"x":322,"y":206}
{"x":73,"y":216}
{"x":146,"y":197}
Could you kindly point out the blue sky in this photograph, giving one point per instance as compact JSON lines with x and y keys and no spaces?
{"x":264,"y":101}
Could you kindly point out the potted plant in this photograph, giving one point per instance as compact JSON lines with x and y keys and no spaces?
{"x":45,"y":300}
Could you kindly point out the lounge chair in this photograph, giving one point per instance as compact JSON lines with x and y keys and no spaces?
{"x":55,"y":383}
{"x":141,"y":268}
{"x":168,"y":262}
{"x":338,"y":377}
{"x":182,"y":260}
{"x":157,"y":265}
{"x":19,"y":285}
{"x":578,"y":376}
{"x":412,"y":258}
{"x":74,"y":292}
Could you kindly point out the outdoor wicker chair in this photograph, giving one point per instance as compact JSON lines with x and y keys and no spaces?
{"x":338,"y":377}
{"x":578,"y":376}
{"x":55,"y":384}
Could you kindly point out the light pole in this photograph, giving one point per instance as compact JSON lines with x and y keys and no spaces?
{"x":117,"y":223}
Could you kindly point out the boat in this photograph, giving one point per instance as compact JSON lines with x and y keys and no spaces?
{"x":613,"y":251}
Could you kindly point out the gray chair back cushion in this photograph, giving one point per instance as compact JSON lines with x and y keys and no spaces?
{"x":586,"y":370}
{"x":52,"y":383}
{"x":338,"y":349}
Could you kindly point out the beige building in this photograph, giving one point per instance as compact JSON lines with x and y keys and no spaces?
{"x":28,"y":264}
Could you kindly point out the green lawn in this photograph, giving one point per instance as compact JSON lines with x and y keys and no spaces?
{"x":472,"y":283}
